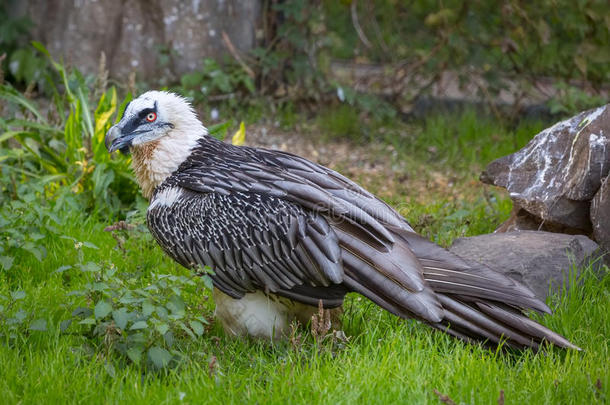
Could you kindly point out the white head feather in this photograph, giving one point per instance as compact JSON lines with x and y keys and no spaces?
{"x":156,"y":159}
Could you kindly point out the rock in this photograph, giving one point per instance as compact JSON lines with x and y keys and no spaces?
{"x":558,"y":172}
{"x":536,"y":259}
{"x":600,"y":217}
{"x":521,"y":220}
{"x":152,"y":38}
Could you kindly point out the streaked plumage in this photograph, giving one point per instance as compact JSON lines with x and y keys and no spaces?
{"x":274,"y":226}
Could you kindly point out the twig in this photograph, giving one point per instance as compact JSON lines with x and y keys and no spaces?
{"x":212,"y":365}
{"x":370,"y":8}
{"x":121,"y":225}
{"x":221,"y":97}
{"x":357,"y":26}
{"x":320,"y":323}
{"x":235,"y":54}
{"x":2,"y":57}
{"x":101,"y":81}
{"x":444,"y":398}
{"x":489,"y":98}
{"x":131,"y":83}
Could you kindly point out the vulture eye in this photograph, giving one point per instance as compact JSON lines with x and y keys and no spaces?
{"x":151,"y":117}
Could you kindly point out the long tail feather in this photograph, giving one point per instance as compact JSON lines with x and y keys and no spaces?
{"x":480,"y":303}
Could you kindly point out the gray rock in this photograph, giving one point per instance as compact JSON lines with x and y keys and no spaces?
{"x":536,"y":259}
{"x":558,"y":172}
{"x":600,"y":216}
{"x":136,"y":35}
{"x":522,"y":220}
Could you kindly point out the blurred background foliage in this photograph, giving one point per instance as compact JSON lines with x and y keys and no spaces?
{"x":346,"y":67}
{"x":503,"y":42}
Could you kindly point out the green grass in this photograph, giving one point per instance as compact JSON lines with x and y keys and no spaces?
{"x":386,"y":360}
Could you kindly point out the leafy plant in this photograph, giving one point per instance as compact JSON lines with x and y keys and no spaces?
{"x":571,"y":98}
{"x":21,"y":62}
{"x":140,"y":321}
{"x":14,"y":320}
{"x":214,"y":82}
{"x":496,"y":46}
{"x":67,"y":151}
{"x":24,"y":224}
{"x":27,"y":218}
{"x":293,"y":58}
{"x":509,"y":45}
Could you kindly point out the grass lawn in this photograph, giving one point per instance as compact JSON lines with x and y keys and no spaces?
{"x":384,"y":360}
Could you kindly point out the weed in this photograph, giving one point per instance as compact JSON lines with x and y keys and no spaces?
{"x":68,"y":152}
{"x":215,"y":83}
{"x":14,"y":320}
{"x":140,"y":321}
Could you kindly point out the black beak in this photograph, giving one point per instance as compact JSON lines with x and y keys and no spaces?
{"x":115,"y":140}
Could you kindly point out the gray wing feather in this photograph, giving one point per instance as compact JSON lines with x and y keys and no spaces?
{"x":249,"y":241}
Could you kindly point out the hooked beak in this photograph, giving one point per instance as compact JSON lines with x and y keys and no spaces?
{"x":115,"y":140}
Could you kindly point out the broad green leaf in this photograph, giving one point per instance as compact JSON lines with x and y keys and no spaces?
{"x":162,"y":312}
{"x":100,"y":286}
{"x":137,"y":337}
{"x":219,"y":131}
{"x":139,"y":325}
{"x":41,"y":48}
{"x":159,"y":356}
{"x":90,"y":267}
{"x":39,"y":325}
{"x":20,"y":315}
{"x":87,"y":321}
{"x":63,"y":268}
{"x":169,"y":338}
{"x":207,"y":281}
{"x":147,"y":308}
{"x":197,"y":327}
{"x":186,"y":329}
{"x":18,"y":295}
{"x":90,"y":245}
{"x":38,"y":251}
{"x":65,"y":324}
{"x":6,"y":262}
{"x":162,"y":328}
{"x":82,"y":312}
{"x":102,"y":309}
{"x":176,"y":305}
{"x":36,"y":236}
{"x":135,"y":354}
{"x":120,"y":317}
{"x":202,"y":320}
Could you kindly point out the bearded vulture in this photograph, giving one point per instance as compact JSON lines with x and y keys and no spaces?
{"x":282,"y":235}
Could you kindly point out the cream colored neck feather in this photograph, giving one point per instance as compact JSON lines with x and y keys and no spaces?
{"x":155,"y":161}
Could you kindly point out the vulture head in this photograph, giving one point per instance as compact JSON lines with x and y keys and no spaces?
{"x":159,"y":129}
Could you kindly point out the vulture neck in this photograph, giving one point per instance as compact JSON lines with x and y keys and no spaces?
{"x":155,"y":161}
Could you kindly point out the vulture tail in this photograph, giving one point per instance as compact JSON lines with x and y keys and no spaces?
{"x":481,"y":304}
{"x":494,"y":323}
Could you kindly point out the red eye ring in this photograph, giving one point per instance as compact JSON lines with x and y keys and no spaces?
{"x":151,"y":117}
